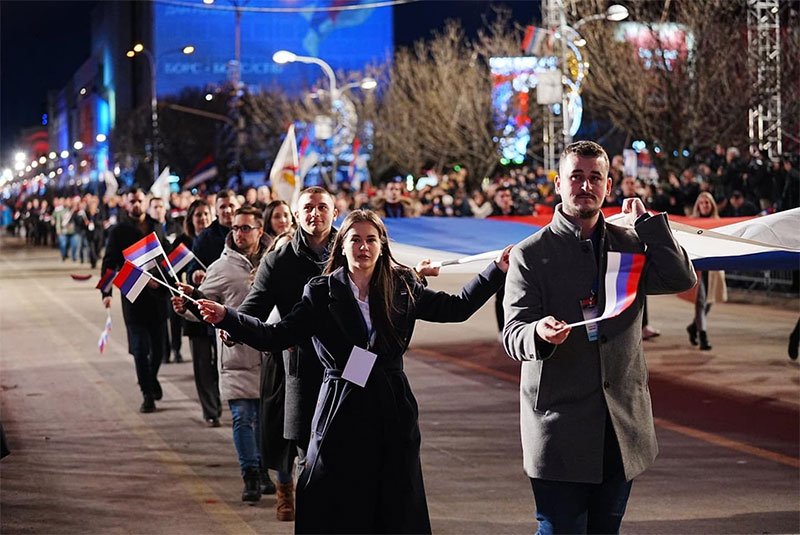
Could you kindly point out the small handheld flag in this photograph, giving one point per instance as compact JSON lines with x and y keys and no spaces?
{"x":131,"y":281}
{"x":104,"y":285}
{"x":144,"y":250}
{"x":623,"y":271}
{"x":101,"y":343}
{"x":180,"y":257}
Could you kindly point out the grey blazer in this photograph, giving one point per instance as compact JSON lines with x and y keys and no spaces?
{"x":565,"y":389}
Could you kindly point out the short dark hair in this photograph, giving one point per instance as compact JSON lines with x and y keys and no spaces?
{"x":154,"y":199}
{"x":226,"y":193}
{"x":249,"y":210}
{"x":586,"y":148}
{"x":312,"y":190}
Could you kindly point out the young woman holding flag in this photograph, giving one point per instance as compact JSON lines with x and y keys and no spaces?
{"x":362,"y":472}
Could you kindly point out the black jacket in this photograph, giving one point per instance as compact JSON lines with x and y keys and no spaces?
{"x":207,"y":247}
{"x":362,"y":473}
{"x":280,"y":279}
{"x":152,"y":304}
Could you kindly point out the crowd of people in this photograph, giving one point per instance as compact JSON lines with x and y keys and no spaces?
{"x":277,"y":304}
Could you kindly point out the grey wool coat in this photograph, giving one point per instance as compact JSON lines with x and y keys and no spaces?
{"x":566,"y":389}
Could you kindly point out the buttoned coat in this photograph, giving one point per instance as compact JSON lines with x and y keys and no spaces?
{"x":362,"y":472}
{"x":566,"y":389}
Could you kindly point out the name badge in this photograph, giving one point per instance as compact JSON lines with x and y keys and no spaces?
{"x":590,"y":312}
{"x":359,"y":366}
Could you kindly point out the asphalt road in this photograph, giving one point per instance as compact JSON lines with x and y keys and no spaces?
{"x":85,"y":460}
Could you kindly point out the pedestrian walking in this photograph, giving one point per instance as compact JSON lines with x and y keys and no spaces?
{"x":586,"y":419}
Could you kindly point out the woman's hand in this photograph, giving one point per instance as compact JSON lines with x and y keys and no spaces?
{"x":552,"y":330}
{"x":178,"y":304}
{"x":424,"y":269}
{"x":502,"y":260}
{"x":210,"y":311}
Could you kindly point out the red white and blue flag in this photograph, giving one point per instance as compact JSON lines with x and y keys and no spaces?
{"x":104,"y":285}
{"x":180,"y":257}
{"x":144,"y":250}
{"x":101,"y":343}
{"x":623,"y":272}
{"x":131,"y":281}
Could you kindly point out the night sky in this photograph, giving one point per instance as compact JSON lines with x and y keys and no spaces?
{"x":42,"y":44}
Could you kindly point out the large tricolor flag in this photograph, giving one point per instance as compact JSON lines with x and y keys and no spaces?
{"x":104,"y":285}
{"x":131,"y":281}
{"x":180,"y":257}
{"x":144,"y":250}
{"x":623,"y":272}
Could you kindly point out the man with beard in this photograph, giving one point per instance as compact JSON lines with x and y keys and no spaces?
{"x":145,"y":319}
{"x":586,"y":418}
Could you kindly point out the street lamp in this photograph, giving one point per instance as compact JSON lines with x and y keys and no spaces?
{"x":139,"y":48}
{"x":284,"y":56}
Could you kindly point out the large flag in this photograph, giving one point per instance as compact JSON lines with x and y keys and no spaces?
{"x":144,"y":250}
{"x":180,"y":257}
{"x":104,"y":285}
{"x":205,"y":170}
{"x":160,"y":187}
{"x":286,"y":185}
{"x":131,"y":281}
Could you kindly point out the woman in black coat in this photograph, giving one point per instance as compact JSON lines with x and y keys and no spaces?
{"x":363,"y":471}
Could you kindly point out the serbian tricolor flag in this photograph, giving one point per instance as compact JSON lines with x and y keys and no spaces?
{"x":144,"y":250}
{"x":179,"y":258}
{"x":623,"y":272}
{"x":106,"y":280}
{"x":131,"y":281}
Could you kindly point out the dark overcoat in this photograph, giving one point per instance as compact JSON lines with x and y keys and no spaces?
{"x":363,"y":472}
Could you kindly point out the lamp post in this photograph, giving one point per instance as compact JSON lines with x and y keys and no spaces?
{"x":555,"y":18}
{"x":284,"y":56}
{"x":152,"y":62}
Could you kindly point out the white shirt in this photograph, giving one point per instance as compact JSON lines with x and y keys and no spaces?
{"x":362,"y":305}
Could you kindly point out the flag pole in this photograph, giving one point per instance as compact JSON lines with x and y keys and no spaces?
{"x":489,"y":255}
{"x":166,"y":257}
{"x":162,"y":283}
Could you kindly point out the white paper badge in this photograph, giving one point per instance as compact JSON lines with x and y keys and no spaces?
{"x":359,"y":366}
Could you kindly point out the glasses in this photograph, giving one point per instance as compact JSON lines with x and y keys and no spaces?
{"x":243,"y":228}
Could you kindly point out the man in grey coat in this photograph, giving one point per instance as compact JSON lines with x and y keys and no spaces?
{"x":586,"y":417}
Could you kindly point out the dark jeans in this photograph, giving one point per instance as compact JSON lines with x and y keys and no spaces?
{"x":175,"y":334}
{"x":146,"y":342}
{"x":206,"y":378}
{"x":567,"y":507}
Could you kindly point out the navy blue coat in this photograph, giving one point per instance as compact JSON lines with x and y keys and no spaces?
{"x":363,"y":471}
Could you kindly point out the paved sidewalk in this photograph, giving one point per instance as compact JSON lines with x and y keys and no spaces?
{"x":84,"y":460}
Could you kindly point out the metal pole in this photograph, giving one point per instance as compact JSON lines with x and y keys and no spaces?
{"x":153,"y":111}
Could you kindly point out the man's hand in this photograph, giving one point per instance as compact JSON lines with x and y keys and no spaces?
{"x":152,"y":284}
{"x":178,"y":304}
{"x":552,"y":330}
{"x":210,"y":311}
{"x":198,"y":277}
{"x":188,"y":289}
{"x":502,"y":260}
{"x":107,"y":301}
{"x":634,"y":207}
{"x":424,"y":269}
{"x":226,"y":338}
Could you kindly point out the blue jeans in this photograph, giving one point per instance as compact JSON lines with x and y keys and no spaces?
{"x":567,"y":507}
{"x":246,"y":432}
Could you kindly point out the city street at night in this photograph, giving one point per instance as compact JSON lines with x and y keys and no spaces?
{"x":85,"y":460}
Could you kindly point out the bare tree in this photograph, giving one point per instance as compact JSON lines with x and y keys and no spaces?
{"x":688,"y":102}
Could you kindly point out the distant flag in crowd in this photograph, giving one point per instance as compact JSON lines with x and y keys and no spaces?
{"x":105,"y":334}
{"x":161,"y":186}
{"x":144,"y":250}
{"x":131,"y":281}
{"x":206,"y":169}
{"x":104,"y":285}
{"x":180,"y":257}
{"x":534,"y":40}
{"x":623,"y":272}
{"x":283,"y":174}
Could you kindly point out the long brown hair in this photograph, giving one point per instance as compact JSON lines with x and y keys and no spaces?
{"x":188,"y":223}
{"x":387,"y":275}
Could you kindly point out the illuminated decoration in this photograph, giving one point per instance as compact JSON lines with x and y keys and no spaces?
{"x":348,"y":40}
{"x":513,"y":79}
{"x":666,"y":45}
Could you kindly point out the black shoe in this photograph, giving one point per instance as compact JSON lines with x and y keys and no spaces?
{"x":252,"y":490}
{"x":692,"y":330}
{"x":178,"y":358}
{"x":267,"y":486}
{"x":704,"y":345}
{"x":213,"y":422}
{"x":148,"y":405}
{"x":157,"y":392}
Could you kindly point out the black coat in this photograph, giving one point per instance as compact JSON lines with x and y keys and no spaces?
{"x":152,"y":304}
{"x":279,"y":282}
{"x":207,"y":247}
{"x":363,"y":471}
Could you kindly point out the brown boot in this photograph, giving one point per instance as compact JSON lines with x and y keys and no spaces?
{"x":285,"y":504}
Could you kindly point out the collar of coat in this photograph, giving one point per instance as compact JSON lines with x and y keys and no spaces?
{"x":562,"y":226}
{"x":302,"y":248}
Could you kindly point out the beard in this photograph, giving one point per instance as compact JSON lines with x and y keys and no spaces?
{"x":587,"y":213}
